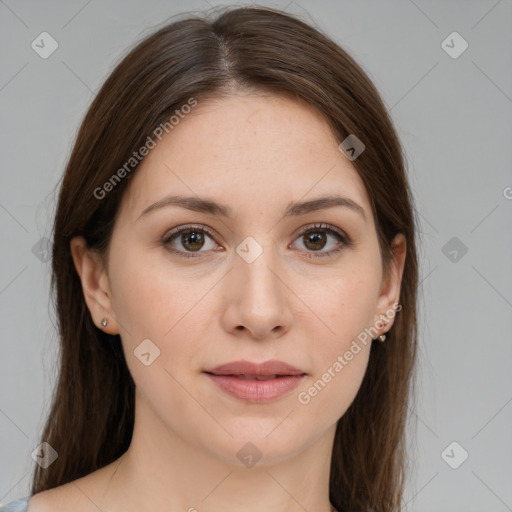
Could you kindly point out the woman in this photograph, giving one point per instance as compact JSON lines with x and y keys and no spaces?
{"x":235,"y":275}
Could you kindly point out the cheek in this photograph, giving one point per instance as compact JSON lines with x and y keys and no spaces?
{"x":340,"y":366}
{"x":148,"y":298}
{"x":347,"y":304}
{"x":341,"y":382}
{"x":157,"y":313}
{"x":160,"y":303}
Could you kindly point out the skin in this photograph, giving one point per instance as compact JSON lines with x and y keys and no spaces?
{"x":255,"y":153}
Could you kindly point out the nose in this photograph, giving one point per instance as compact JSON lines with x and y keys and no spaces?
{"x":257,"y":299}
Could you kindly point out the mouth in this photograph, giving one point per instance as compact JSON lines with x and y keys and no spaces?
{"x":248,"y":369}
{"x":256,"y":383}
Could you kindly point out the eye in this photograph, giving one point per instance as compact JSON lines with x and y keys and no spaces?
{"x":315,"y":238}
{"x":191,"y":238}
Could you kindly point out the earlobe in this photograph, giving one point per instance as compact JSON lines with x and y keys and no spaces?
{"x":95,"y":284}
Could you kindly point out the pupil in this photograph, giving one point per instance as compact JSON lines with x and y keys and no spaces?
{"x":316,"y":238}
{"x":191,"y":238}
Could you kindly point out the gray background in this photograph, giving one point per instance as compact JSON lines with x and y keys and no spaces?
{"x":454,"y":118}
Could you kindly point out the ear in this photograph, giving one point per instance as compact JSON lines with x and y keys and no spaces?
{"x":95,"y":284}
{"x":390,"y":292}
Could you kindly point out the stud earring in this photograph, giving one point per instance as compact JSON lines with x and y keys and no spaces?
{"x":382,"y":338}
{"x":104,"y":322}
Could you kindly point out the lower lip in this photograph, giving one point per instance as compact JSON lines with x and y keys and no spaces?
{"x":256,"y":391}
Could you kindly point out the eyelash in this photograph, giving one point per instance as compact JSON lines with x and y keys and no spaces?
{"x":316,"y":228}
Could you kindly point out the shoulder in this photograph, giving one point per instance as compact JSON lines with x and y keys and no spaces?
{"x":58,"y":499}
{"x":52,"y":500}
{"x":16,"y":505}
{"x":79,"y":495}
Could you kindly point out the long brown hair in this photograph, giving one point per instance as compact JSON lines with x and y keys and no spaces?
{"x":91,"y":419}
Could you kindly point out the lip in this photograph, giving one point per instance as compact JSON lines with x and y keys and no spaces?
{"x":256,"y":391}
{"x":271,"y":367}
{"x":286,"y":378}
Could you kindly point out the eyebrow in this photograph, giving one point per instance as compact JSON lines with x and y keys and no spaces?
{"x":293,"y":209}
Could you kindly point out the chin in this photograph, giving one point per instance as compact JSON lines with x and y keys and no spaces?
{"x":260,"y":443}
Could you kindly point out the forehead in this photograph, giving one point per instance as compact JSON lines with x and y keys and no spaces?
{"x":246,"y":150}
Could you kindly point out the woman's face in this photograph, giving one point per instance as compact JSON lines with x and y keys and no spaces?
{"x":267,"y":281}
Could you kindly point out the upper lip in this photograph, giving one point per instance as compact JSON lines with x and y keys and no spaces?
{"x":271,"y":367}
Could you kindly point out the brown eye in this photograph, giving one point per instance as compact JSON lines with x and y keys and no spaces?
{"x":315,"y":240}
{"x":192,"y":240}
{"x":187,"y":240}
